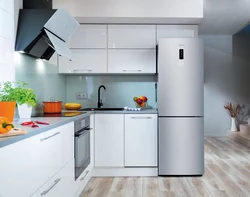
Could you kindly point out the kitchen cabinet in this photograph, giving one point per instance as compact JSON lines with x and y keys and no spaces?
{"x":140,"y":140}
{"x":132,"y":61}
{"x":60,"y":184}
{"x":84,"y":61}
{"x":28,"y":164}
{"x":109,"y":140}
{"x":133,"y":36}
{"x":89,"y":36}
{"x":20,"y":167}
{"x":67,"y":142}
{"x":177,"y":31}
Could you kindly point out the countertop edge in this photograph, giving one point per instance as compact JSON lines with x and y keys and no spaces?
{"x":11,"y":140}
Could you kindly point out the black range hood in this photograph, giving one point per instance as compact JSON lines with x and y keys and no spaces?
{"x":41,"y":32}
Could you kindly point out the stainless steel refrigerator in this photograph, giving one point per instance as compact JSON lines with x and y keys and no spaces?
{"x":180,"y":105}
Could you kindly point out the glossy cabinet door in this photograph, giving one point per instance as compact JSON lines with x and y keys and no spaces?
{"x":131,"y":36}
{"x":177,"y":31}
{"x":84,"y":61}
{"x":20,"y":168}
{"x":61,"y":184}
{"x":68,"y":137}
{"x":109,"y":140}
{"x":140,"y":140}
{"x":89,"y":36}
{"x":132,"y":61}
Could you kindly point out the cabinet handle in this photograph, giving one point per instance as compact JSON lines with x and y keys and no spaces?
{"x":139,"y":70}
{"x":43,"y":139}
{"x":75,"y":70}
{"x":84,"y":175}
{"x":54,"y":184}
{"x":141,"y":117}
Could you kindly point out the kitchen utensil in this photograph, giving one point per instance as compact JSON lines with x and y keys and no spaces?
{"x":52,"y":106}
{"x":13,"y":132}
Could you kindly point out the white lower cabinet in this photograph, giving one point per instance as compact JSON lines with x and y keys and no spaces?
{"x":60,"y":184}
{"x":30,"y":163}
{"x":140,"y":140}
{"x":109,"y":140}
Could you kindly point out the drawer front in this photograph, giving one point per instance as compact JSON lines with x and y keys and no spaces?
{"x":61,"y":184}
{"x":50,"y":154}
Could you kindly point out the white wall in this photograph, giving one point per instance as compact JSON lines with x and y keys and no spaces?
{"x":226,"y":80}
{"x":134,"y":11}
{"x":7,"y":69}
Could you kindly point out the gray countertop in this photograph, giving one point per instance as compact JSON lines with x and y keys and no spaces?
{"x":56,"y":122}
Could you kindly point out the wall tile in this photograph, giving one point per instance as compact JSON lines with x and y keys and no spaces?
{"x":120,"y":90}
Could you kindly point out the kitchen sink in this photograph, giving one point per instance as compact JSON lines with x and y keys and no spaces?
{"x":101,"y":109}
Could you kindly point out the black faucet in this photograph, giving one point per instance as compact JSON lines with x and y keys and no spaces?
{"x":99,"y":104}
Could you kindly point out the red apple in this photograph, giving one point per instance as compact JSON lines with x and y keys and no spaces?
{"x":139,"y":101}
{"x":144,"y":98}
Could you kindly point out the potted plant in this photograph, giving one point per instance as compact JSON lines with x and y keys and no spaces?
{"x":25,"y":99}
{"x":233,"y":111}
{"x":7,"y":100}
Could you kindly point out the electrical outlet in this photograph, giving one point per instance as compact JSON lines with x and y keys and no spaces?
{"x":81,"y":95}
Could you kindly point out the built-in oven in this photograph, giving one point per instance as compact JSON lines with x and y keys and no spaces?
{"x":82,"y":145}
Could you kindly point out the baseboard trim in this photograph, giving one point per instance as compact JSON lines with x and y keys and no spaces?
{"x":117,"y":172}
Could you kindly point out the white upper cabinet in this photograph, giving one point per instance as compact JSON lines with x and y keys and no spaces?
{"x":89,"y":36}
{"x":141,"y":140}
{"x":109,"y":140}
{"x":177,"y":31}
{"x":85,"y":61}
{"x":131,"y":36}
{"x":132,"y":61}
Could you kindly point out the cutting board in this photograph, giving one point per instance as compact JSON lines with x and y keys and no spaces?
{"x":13,"y":132}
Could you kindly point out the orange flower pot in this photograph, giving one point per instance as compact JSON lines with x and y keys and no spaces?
{"x":7,"y":109}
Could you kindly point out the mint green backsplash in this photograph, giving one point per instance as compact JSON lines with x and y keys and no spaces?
{"x":120,"y":90}
{"x":42,"y":77}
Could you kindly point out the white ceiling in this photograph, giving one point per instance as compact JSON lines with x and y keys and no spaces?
{"x":224,"y":17}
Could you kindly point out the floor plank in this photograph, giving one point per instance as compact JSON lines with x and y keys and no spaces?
{"x":227,"y":174}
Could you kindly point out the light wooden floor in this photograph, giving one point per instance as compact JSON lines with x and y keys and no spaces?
{"x":227,"y":173}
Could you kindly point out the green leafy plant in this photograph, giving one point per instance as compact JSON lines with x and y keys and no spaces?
{"x":7,"y":91}
{"x":17,"y":91}
{"x":24,"y":95}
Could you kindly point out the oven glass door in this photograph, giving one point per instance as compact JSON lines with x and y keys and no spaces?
{"x":82,"y":151}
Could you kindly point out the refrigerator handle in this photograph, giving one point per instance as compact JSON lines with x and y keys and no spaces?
{"x":156,"y":92}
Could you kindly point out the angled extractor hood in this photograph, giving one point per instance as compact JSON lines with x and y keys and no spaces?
{"x":41,"y":32}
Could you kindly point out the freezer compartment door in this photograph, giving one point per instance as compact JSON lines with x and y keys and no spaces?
{"x":180,"y":77}
{"x":181,"y":146}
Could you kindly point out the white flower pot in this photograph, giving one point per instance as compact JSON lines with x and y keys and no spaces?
{"x":24,"y":111}
{"x":233,"y":124}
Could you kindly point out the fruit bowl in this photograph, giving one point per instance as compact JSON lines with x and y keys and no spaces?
{"x":141,"y":101}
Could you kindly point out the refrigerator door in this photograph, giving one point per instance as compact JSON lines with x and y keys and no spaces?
{"x":181,"y":146}
{"x":180,"y":77}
